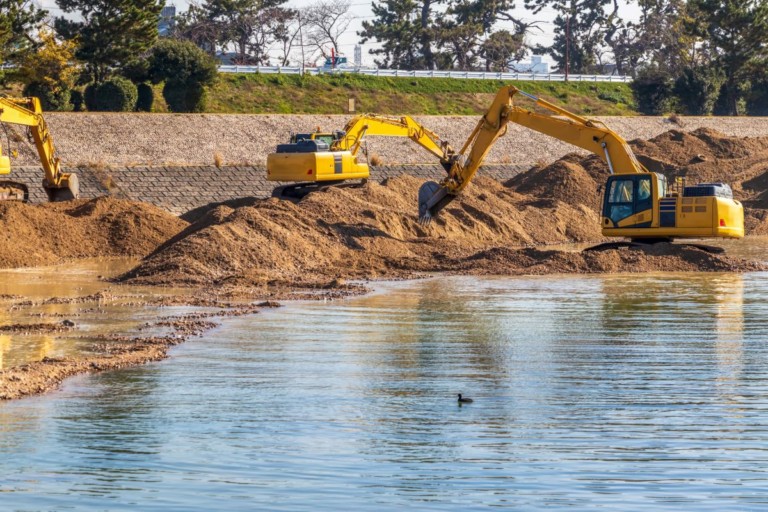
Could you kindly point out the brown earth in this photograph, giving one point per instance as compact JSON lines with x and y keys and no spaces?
{"x":372,"y":231}
{"x":46,"y":234}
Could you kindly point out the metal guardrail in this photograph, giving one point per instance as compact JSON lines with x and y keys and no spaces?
{"x":476,"y":75}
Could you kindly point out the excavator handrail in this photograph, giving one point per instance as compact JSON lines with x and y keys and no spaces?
{"x":28,"y":112}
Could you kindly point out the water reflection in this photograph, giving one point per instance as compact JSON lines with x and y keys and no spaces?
{"x":23,"y":296}
{"x":620,"y":392}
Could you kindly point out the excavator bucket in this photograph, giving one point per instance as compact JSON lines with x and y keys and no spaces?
{"x":432,"y":198}
{"x":68,"y":190}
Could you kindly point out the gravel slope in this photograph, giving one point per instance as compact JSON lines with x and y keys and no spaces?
{"x":196,"y":139}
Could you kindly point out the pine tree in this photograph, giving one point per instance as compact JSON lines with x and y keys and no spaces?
{"x":405,"y":29}
{"x":19,"y":20}
{"x":579,"y":32}
{"x":109,"y":32}
{"x":737,"y":33}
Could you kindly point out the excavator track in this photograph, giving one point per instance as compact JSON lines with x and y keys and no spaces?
{"x":297,"y":191}
{"x":639,"y":244}
{"x":13,"y":191}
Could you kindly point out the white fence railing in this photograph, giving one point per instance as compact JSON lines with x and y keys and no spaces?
{"x":477,"y":75}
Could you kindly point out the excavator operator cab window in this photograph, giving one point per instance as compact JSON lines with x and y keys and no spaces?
{"x":325,"y":137}
{"x":627,"y":195}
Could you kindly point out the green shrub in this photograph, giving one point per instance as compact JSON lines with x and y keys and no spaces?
{"x":77,"y":100}
{"x":652,"y":89}
{"x":696,"y":90}
{"x":89,"y":96}
{"x":116,"y":95}
{"x":186,"y":70}
{"x":184,"y":97}
{"x":146,"y":97}
{"x":49,"y":100}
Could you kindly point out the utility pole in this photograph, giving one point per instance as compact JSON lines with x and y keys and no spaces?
{"x":567,"y":45}
{"x":301,"y":43}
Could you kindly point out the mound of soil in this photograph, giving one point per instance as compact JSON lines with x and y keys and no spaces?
{"x":573,"y":179}
{"x":372,"y":231}
{"x":661,"y":257}
{"x":45,"y":234}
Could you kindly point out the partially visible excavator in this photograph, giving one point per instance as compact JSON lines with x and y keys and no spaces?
{"x":58,"y":185}
{"x":637,"y":203}
{"x":316,"y":160}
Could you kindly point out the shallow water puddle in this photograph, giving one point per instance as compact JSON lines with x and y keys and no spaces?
{"x":47,"y":298}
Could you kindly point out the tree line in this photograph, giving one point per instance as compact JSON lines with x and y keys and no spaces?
{"x":691,"y":56}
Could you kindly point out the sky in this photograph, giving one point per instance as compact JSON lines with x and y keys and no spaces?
{"x":361,"y":11}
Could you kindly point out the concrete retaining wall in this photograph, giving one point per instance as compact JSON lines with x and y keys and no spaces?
{"x":181,"y":189}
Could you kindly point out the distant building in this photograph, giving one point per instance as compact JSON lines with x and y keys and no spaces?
{"x":167,"y":20}
{"x":536,"y":65}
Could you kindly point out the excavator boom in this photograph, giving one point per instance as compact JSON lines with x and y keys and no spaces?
{"x":585,"y":133}
{"x":27,"y":112}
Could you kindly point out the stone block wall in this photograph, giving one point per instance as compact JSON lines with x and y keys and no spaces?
{"x":181,"y":189}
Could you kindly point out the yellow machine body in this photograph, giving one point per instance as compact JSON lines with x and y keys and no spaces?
{"x":5,"y":164}
{"x":315,"y":166}
{"x":318,"y":157}
{"x":636,"y":204}
{"x":59,"y":186}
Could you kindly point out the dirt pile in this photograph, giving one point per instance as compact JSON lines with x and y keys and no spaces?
{"x":45,"y":234}
{"x":372,"y":231}
{"x":366,"y":232}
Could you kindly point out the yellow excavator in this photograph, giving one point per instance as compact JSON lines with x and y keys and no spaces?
{"x":312,"y":161}
{"x":637,"y":203}
{"x":59,"y":186}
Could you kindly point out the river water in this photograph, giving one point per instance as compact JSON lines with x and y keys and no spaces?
{"x":622,"y":392}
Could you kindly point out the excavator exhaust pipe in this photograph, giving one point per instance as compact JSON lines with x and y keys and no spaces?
{"x":432,"y":199}
{"x":68,"y":190}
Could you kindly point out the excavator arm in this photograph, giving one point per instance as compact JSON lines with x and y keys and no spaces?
{"x":312,"y":161}
{"x":368,"y":124}
{"x":58,"y":185}
{"x":585,"y":133}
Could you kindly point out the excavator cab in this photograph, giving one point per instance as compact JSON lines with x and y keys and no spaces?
{"x":629,"y":199}
{"x":639,"y":206}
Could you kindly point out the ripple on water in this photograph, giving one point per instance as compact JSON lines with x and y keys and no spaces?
{"x":617,"y":392}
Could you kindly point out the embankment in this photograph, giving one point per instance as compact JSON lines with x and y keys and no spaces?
{"x":136,"y":140}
